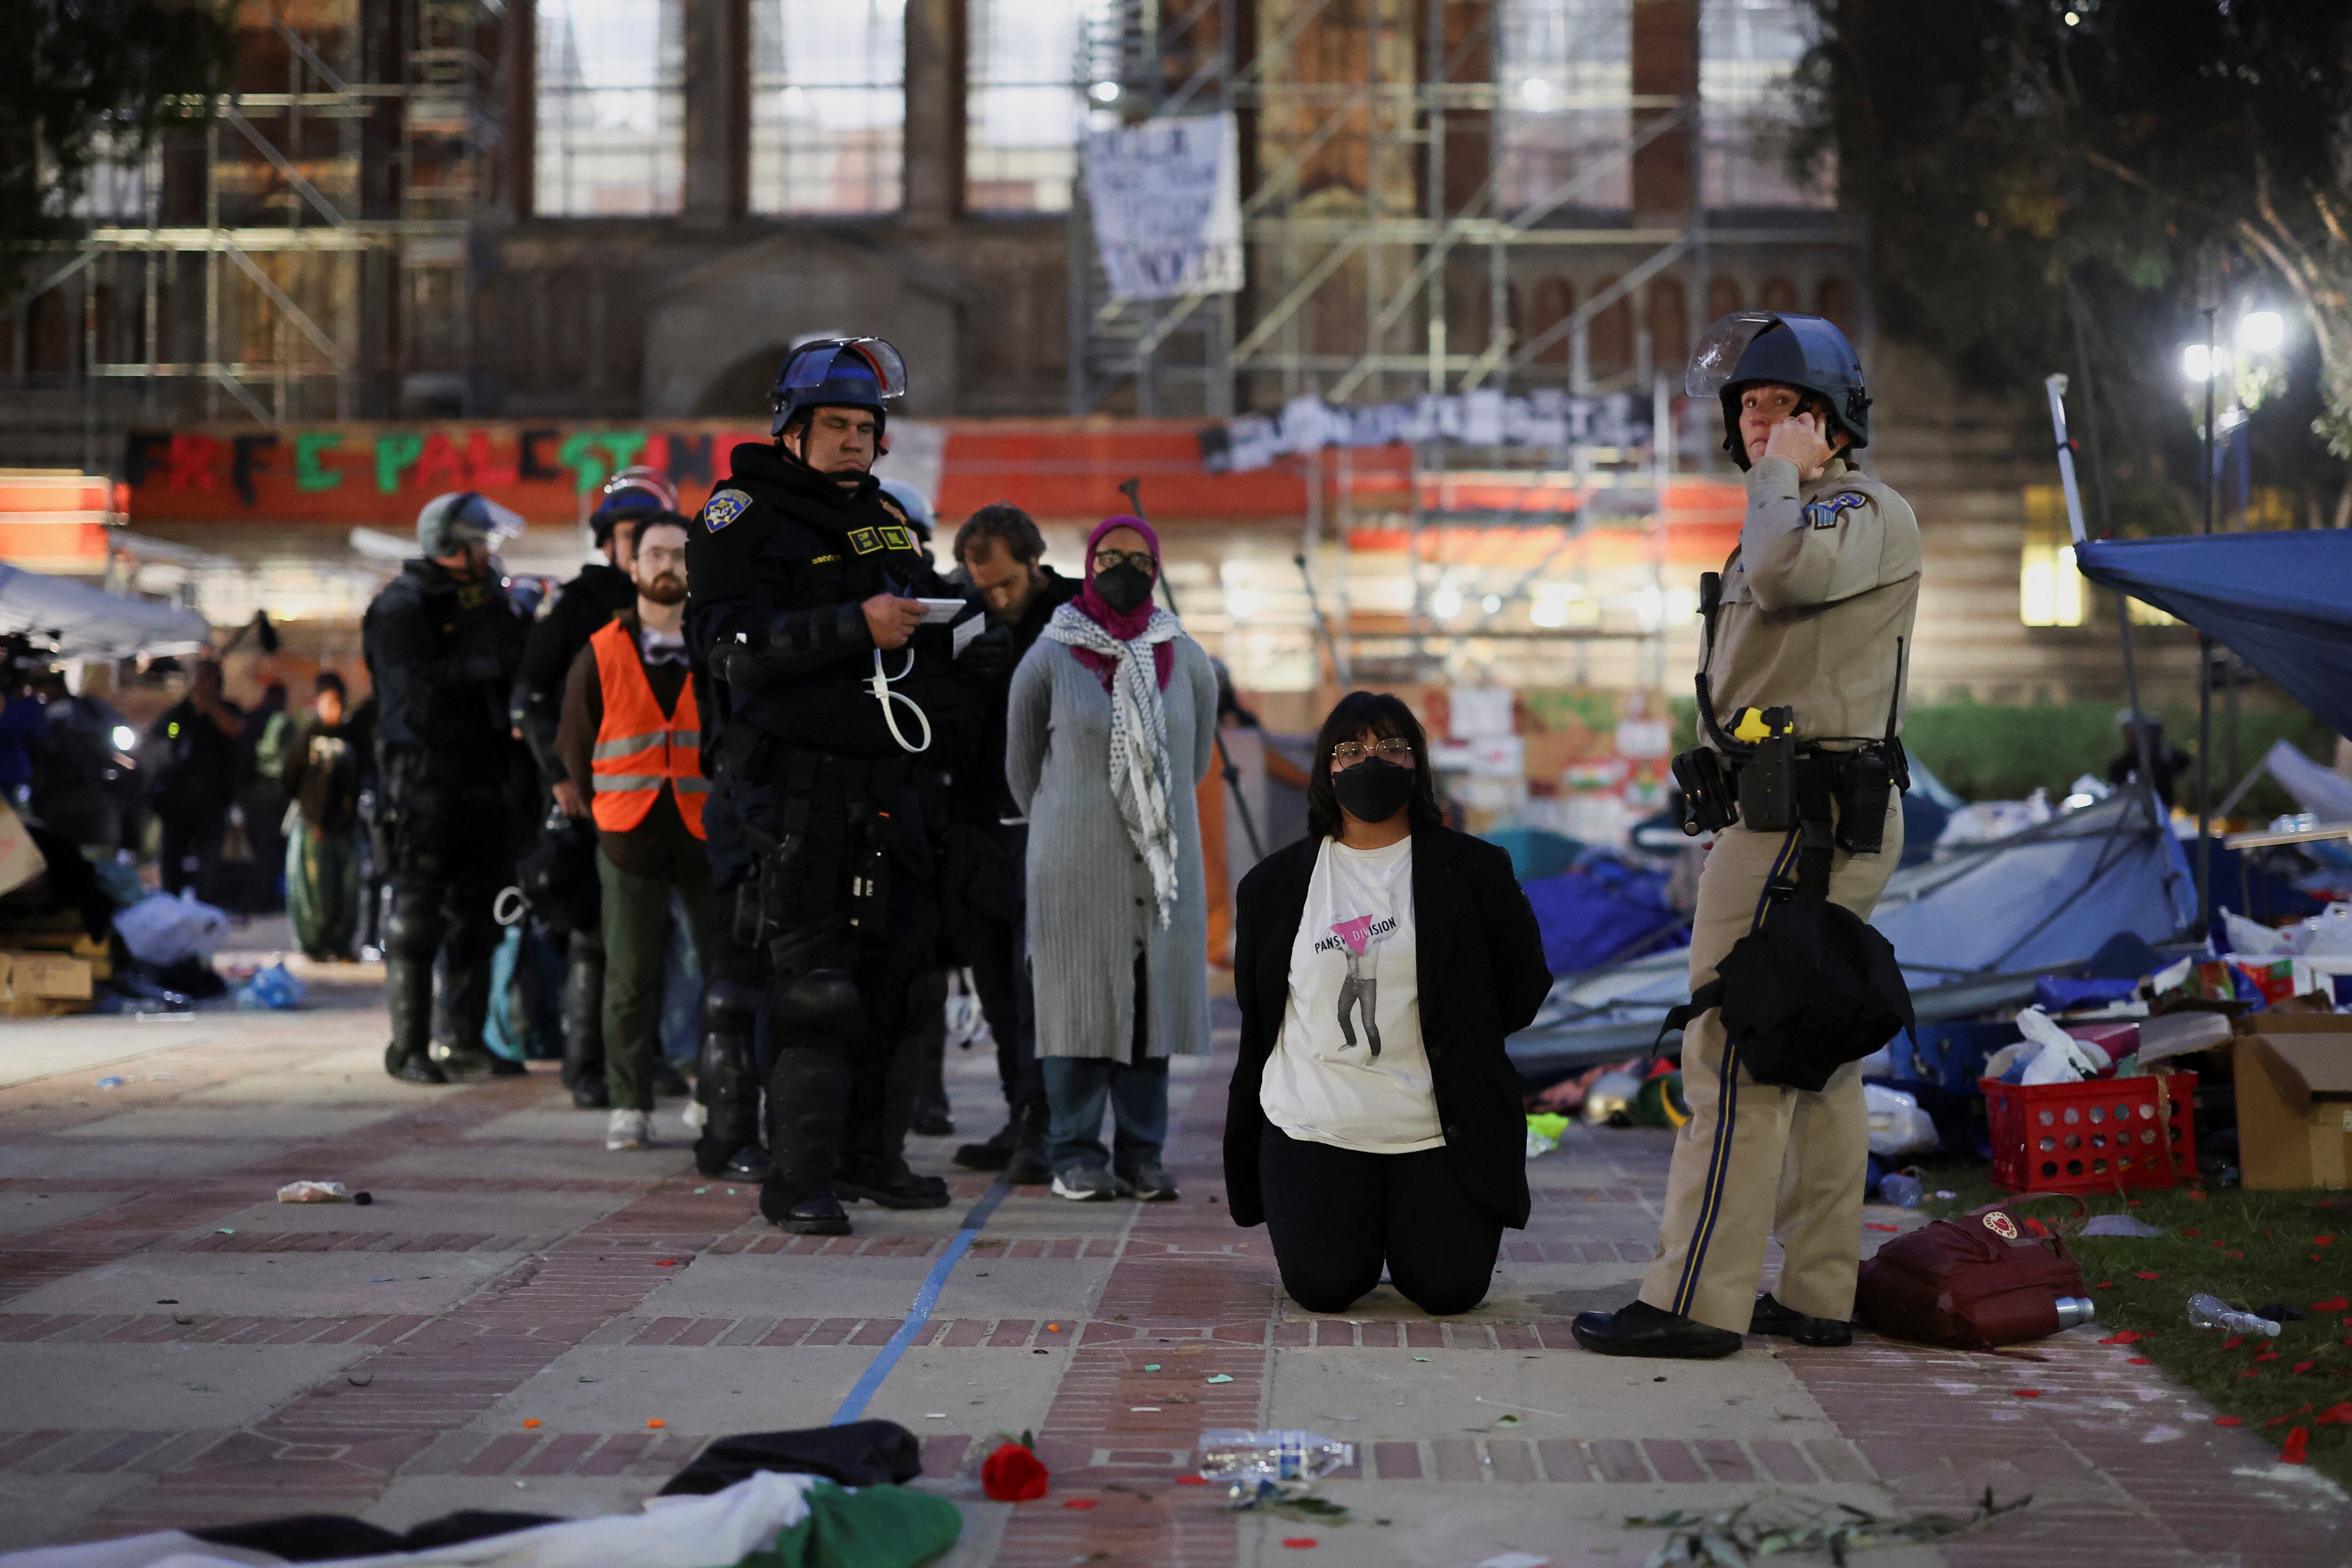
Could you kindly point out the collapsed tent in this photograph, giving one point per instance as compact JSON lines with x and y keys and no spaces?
{"x":1972,"y":927}
{"x":90,"y":624}
{"x":2276,"y":600}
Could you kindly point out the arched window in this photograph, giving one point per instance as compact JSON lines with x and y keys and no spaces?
{"x":1778,"y":294}
{"x":1722,"y":297}
{"x":1612,"y":335}
{"x":612,"y":108}
{"x":1834,"y":299}
{"x":828,"y":105}
{"x":1669,"y":324}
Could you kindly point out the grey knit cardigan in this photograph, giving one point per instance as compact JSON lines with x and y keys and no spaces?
{"x":1091,"y":909}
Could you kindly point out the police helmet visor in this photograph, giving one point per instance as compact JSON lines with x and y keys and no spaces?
{"x":448,"y":521}
{"x":1719,"y":347}
{"x":846,"y":359}
{"x":639,"y":489}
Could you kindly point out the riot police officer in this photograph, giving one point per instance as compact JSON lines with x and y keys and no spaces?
{"x":831,"y":684}
{"x":1800,"y":703}
{"x":442,"y":643}
{"x":560,"y":875}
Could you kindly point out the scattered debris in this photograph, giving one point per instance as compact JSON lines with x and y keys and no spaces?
{"x":1218,"y":1377}
{"x":2119,"y":1225}
{"x":1769,"y":1526}
{"x":314,"y":1192}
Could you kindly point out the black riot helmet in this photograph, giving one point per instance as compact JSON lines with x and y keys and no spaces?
{"x":631,"y":496}
{"x":838,"y":373}
{"x":1807,"y":352}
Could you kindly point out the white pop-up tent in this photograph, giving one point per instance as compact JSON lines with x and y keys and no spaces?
{"x":88,"y":622}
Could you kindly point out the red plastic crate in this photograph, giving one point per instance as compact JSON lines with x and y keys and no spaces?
{"x":2093,"y":1136}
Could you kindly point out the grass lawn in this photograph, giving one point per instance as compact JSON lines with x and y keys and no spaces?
{"x":2250,"y":1248}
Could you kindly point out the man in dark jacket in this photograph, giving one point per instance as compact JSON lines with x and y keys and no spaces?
{"x":442,"y":643}
{"x":984,"y":900}
{"x":194,"y":783}
{"x":827,"y":676}
{"x":321,"y":772}
{"x":574,"y":614}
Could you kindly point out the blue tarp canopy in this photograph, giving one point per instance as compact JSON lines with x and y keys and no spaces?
{"x":2280,"y":601}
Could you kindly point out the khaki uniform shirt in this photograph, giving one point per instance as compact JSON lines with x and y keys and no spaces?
{"x":1818,"y":603}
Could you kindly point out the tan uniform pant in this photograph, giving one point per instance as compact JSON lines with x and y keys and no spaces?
{"x":1755,"y":1160}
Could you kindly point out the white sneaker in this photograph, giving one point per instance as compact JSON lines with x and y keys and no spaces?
{"x":1086,"y":1183}
{"x":629,"y":1130}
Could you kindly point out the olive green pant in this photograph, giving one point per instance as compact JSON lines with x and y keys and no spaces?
{"x":1757,"y":1161}
{"x":637,"y":947}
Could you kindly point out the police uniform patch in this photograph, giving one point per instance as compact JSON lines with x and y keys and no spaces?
{"x":865,"y":541}
{"x":897,"y":538}
{"x":724,"y":508}
{"x":1823,"y":513}
{"x":824,"y":559}
{"x":890,"y":506}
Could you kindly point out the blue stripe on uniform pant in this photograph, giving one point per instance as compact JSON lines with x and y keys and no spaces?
{"x":1726,"y":1108}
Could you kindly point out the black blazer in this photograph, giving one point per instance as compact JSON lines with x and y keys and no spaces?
{"x":1482,"y":975}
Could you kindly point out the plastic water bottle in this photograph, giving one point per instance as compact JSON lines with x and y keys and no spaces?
{"x":1899,"y":1189}
{"x":2212,"y":1312}
{"x":1246,"y":1458}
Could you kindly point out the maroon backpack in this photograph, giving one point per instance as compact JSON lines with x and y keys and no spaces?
{"x":1988,"y":1278}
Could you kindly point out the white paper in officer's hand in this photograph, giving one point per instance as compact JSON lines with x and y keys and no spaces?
{"x":965,"y":631}
{"x":939,"y":612}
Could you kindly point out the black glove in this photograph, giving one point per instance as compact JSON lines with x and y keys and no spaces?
{"x":989,"y":653}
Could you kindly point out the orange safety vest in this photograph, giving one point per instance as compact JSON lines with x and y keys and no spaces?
{"x":639,"y":749}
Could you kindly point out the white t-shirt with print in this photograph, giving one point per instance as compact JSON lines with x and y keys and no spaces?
{"x":1349,"y":1069}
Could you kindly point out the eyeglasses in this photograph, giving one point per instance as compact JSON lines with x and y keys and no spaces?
{"x":1348,"y":752}
{"x":1139,"y":560}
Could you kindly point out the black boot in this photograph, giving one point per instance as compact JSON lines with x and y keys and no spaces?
{"x":807,"y":1093}
{"x":1772,"y":1318}
{"x":929,"y":1040}
{"x":583,"y":1022}
{"x":461,"y":1002}
{"x":996,"y":1152}
{"x":408,"y":997}
{"x":1640,"y":1328}
{"x":727,"y":1083}
{"x":1028,"y":1167}
{"x":873,"y":1165}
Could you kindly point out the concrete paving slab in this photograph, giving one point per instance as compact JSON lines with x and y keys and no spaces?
{"x":157,"y":1387}
{"x":410,"y":1500}
{"x":1553,"y":1394}
{"x":259,"y":1126}
{"x":159,"y":1160}
{"x":1435,"y":1525}
{"x":934,"y":1390}
{"x":37,"y":1509}
{"x":525,"y":1211}
{"x":705,"y":1389}
{"x":22,"y":1211}
{"x":782,"y":1284}
{"x":272,"y":1285}
{"x":558,"y":1120}
{"x":42,"y":1048}
{"x":983,"y":1287}
{"x":585,"y":1159}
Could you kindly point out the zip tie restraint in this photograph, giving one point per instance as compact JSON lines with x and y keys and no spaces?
{"x":881,"y":686}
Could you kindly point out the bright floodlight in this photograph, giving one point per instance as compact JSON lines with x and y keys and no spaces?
{"x":2260,"y":331}
{"x":1535,"y":93}
{"x":2196,"y":361}
{"x":123,"y":740}
{"x":1104,"y":91}
{"x":1492,"y":605}
{"x":1447,"y":602}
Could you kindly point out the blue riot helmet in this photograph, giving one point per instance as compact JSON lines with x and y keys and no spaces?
{"x":838,"y":373}
{"x":463,"y":517}
{"x":631,"y":496}
{"x":1807,"y":352}
{"x":914,"y":503}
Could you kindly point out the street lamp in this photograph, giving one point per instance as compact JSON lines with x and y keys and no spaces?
{"x":2261,"y":331}
{"x":2196,"y":362}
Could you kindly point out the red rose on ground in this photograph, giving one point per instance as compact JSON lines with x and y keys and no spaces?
{"x":2297,"y":1441}
{"x":1013,"y":1474}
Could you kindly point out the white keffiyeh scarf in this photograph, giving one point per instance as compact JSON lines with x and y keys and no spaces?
{"x":1141,"y":780}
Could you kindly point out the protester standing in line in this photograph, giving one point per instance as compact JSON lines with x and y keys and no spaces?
{"x":631,"y":727}
{"x":984,"y":903}
{"x":320,"y":769}
{"x":1111,"y":723}
{"x":1379,"y":962}
{"x":260,"y":799}
{"x":194,"y":781}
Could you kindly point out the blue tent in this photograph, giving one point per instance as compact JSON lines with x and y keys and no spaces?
{"x":2282,"y":601}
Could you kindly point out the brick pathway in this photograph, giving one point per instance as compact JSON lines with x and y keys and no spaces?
{"x":175,"y":1348}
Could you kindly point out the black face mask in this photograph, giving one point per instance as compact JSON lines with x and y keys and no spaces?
{"x":1123,"y":587}
{"x":1373,"y":791}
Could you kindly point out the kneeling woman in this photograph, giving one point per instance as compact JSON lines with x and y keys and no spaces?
{"x":1373,"y":1116}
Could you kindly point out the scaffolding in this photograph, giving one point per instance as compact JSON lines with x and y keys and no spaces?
{"x":1446,"y":197}
{"x":308,"y":256}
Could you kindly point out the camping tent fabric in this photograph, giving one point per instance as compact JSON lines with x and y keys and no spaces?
{"x":90,"y":624}
{"x":2278,"y":601}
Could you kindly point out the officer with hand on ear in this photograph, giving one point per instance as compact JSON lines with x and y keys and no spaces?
{"x":1800,"y":702}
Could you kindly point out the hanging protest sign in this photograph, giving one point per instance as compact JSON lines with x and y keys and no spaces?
{"x":1166,"y":200}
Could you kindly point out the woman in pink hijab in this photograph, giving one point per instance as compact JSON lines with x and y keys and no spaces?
{"x":1111,"y":727}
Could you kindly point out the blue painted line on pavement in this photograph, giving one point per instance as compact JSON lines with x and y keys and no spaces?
{"x":854,"y":1406}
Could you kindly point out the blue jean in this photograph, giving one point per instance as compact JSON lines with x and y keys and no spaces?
{"x":1076,"y":1088}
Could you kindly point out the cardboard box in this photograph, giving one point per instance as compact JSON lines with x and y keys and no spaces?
{"x":42,"y":984}
{"x":2295,"y":1100}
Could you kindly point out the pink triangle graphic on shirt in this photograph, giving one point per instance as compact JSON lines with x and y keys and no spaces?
{"x":1354,"y":931}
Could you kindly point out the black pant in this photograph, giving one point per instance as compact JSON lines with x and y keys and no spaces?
{"x":983,"y":909}
{"x":1335,"y":1214}
{"x":192,"y":851}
